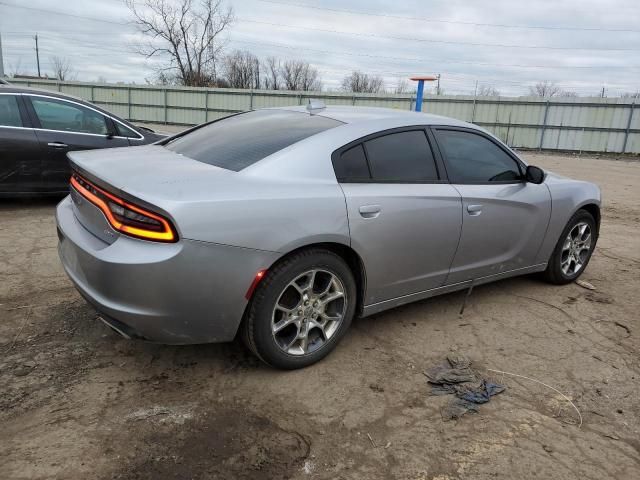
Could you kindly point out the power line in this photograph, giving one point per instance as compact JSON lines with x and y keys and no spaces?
{"x":455,"y":22}
{"x":84,"y":17}
{"x":426,"y":40}
{"x":415,"y":59}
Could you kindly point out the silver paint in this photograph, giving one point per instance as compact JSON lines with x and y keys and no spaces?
{"x":414,"y":240}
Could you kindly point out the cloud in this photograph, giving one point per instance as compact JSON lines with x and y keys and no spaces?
{"x":392,"y":40}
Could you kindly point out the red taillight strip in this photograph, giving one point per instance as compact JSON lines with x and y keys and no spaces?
{"x":168,"y":235}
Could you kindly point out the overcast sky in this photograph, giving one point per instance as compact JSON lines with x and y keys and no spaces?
{"x":582,"y":45}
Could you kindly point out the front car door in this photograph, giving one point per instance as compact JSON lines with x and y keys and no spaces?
{"x":505,"y":218}
{"x":63,"y":126}
{"x":20,"y":151}
{"x":404,"y":218}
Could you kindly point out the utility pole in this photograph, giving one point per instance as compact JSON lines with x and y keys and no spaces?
{"x":1,"y":60}
{"x":37,"y":54}
{"x":602,"y":93}
{"x":438,"y":85}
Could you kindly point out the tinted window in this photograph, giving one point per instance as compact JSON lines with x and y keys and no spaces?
{"x":125,"y":131}
{"x":70,"y":117}
{"x":352,"y":165}
{"x":9,"y":111}
{"x":236,"y":142}
{"x":401,"y":157}
{"x":473,"y":158}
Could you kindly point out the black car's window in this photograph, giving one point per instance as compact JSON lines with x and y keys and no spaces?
{"x":236,"y":142}
{"x":472,"y":158}
{"x":401,"y":157}
{"x":125,"y":131}
{"x":70,"y":117}
{"x":9,"y":111}
{"x":352,"y":165}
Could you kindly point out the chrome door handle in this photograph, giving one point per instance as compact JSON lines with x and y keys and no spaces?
{"x":474,"y":210}
{"x":57,"y":145}
{"x":369,"y":211}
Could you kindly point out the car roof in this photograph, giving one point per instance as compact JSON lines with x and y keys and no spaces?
{"x":354,"y":115}
{"x":9,"y":88}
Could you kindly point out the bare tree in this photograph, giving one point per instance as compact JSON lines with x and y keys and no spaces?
{"x":545,"y":89}
{"x":188,"y":33}
{"x":362,"y":82}
{"x":402,"y":86}
{"x":272,"y":79}
{"x":62,"y":69}
{"x":635,"y":94}
{"x":242,"y":70}
{"x":299,"y":75}
{"x":16,"y":68}
{"x":488,"y":91}
{"x":567,"y":93}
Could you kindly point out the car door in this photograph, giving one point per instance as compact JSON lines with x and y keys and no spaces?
{"x":63,"y":126}
{"x":505,"y":218}
{"x":20,"y":151}
{"x":404,"y":218}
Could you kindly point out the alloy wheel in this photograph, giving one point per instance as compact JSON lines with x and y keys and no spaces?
{"x":576,"y":248}
{"x":308,"y":312}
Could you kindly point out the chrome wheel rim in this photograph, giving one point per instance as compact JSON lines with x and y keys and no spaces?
{"x":308,"y":312}
{"x":576,"y":248}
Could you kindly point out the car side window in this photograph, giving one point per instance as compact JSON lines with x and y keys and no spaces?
{"x":401,"y":157}
{"x":9,"y":112}
{"x":125,"y":131}
{"x":68,"y":117}
{"x":352,"y":165}
{"x":472,"y":158}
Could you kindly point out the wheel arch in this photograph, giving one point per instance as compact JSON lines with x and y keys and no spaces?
{"x":594,"y":210}
{"x":344,"y":251}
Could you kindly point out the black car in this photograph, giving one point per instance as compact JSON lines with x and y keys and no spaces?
{"x":39,"y":127}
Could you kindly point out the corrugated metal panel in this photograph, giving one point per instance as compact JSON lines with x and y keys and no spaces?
{"x":588,"y":124}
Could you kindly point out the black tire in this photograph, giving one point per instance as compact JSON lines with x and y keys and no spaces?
{"x":256,"y":329}
{"x":553,"y":273}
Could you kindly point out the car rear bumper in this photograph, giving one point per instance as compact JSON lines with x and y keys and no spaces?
{"x":175,"y":293}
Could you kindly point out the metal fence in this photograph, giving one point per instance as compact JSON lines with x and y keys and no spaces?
{"x":574,"y":124}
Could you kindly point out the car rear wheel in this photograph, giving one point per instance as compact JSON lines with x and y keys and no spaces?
{"x":301,"y":309}
{"x":573,"y":250}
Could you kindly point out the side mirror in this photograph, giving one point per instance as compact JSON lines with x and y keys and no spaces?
{"x":534,"y":175}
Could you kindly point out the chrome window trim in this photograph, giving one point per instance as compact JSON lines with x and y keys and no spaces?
{"x":141,"y":137}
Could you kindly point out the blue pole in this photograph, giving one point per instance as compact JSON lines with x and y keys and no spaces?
{"x":419,"y":95}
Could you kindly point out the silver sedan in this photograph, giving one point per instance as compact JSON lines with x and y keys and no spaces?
{"x":283,"y":224}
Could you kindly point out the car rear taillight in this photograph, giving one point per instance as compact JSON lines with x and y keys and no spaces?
{"x":123,"y":216}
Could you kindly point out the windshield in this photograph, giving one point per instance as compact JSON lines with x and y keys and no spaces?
{"x":236,"y":142}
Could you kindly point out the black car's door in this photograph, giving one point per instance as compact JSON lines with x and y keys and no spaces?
{"x":20,"y":151}
{"x":63,"y":126}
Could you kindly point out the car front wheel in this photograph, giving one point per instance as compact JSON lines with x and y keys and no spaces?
{"x":301,"y":309}
{"x":573,"y":250}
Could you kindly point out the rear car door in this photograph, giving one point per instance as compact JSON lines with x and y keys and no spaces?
{"x":63,"y":126}
{"x":20,"y":151}
{"x":404,"y":217}
{"x":505,"y":218}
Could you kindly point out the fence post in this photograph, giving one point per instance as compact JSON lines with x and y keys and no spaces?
{"x":128,"y":103}
{"x":473,"y":111}
{"x":92,"y":96}
{"x":251,"y":99}
{"x":353,"y":100}
{"x":411,"y":104}
{"x":626,"y":133}
{"x":164,"y":90}
{"x":544,"y":125}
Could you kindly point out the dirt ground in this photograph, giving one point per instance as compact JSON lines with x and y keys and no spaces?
{"x":77,"y":401}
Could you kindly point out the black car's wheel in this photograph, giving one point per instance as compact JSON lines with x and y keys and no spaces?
{"x":301,"y":309}
{"x":573,"y":250}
